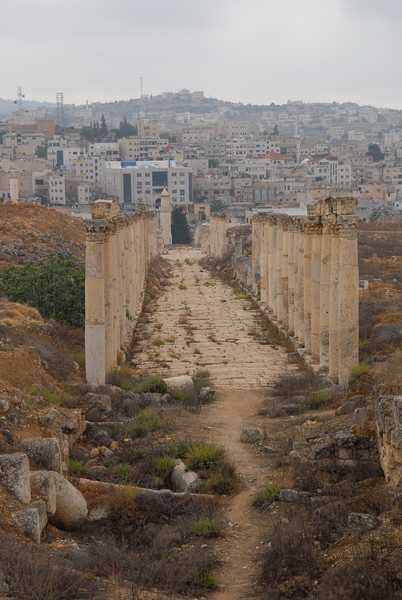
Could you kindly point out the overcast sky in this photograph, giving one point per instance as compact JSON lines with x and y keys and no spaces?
{"x":257,"y":51}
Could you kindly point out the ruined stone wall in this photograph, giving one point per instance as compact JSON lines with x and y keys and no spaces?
{"x":118,"y":251}
{"x":306,"y":270}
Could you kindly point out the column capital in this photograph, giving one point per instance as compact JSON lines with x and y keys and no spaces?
{"x":98,"y":230}
{"x":347,"y":226}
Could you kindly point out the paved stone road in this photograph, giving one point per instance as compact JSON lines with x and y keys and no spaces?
{"x":202,"y":323}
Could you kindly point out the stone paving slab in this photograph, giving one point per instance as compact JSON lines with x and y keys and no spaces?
{"x":209,"y":330}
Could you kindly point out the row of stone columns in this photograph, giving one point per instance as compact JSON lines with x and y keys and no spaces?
{"x":306,"y":269}
{"x":118,"y":250}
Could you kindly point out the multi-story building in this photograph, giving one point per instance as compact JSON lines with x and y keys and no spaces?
{"x":136,"y":148}
{"x":57,"y":189}
{"x":134,"y":183}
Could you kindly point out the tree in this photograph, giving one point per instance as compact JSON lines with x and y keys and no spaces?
{"x":125,"y":129}
{"x":88,"y":133}
{"x":41,"y":151}
{"x":213,"y":163}
{"x":56,"y":289}
{"x":103,"y":130}
{"x":181,"y":233}
{"x":374,"y":150}
{"x":217,"y":205}
{"x":275,"y":130}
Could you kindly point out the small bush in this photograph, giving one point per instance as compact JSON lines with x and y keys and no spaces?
{"x":52,"y":396}
{"x":145,"y":422}
{"x":164,"y":463}
{"x":210,"y":582}
{"x":79,"y":358}
{"x":75,"y":466}
{"x":202,"y":374}
{"x":201,"y":455}
{"x":121,"y":471}
{"x":317,"y":399}
{"x":204,"y":527}
{"x":152,"y":384}
{"x":264,"y":498}
{"x":158,"y":342}
{"x":357,"y":371}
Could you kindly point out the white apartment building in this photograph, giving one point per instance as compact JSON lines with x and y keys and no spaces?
{"x":24,"y":139}
{"x":134,"y":183}
{"x":63,"y":157}
{"x":109,"y":150}
{"x":135,"y":148}
{"x":84,"y":191}
{"x":87,"y":168}
{"x":57,"y":189}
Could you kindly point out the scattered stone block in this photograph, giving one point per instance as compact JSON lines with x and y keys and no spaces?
{"x":44,"y":453}
{"x":184,"y":480}
{"x":206,"y":394}
{"x":252,"y":435}
{"x":350,"y":405}
{"x":181,"y":383}
{"x":362,"y":522}
{"x":289,"y":495}
{"x":28,"y":522}
{"x":14,"y":475}
{"x":42,"y":485}
{"x":71,"y":507}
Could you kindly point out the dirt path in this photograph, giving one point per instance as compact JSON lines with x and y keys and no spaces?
{"x":202,"y":323}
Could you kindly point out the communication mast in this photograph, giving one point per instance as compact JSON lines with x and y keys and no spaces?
{"x":142,"y":86}
{"x":20,"y":105}
{"x":60,"y":111}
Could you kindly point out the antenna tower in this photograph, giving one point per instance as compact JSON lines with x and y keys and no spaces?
{"x":60,"y":111}
{"x":20,"y":104}
{"x":142,"y":86}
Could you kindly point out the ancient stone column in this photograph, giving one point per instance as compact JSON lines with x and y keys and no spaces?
{"x":271,"y":241}
{"x":333,"y":325}
{"x":348,"y":297}
{"x":291,"y":275}
{"x":327,"y":232}
{"x":109,"y":266}
{"x":278,"y":282}
{"x":264,"y":259}
{"x":299,"y":288}
{"x":256,"y":254}
{"x":95,"y":304}
{"x":285,"y":272}
{"x":165,"y":218}
{"x":315,"y":289}
{"x":309,"y":230}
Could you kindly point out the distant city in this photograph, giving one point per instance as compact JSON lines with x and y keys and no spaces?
{"x":208,"y":154}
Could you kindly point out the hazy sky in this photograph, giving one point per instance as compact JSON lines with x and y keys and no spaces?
{"x":257,"y":51}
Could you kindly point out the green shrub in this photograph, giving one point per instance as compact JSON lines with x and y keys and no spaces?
{"x":201,"y":455}
{"x":50,"y":395}
{"x":144,"y":422}
{"x":317,"y":399}
{"x":75,"y":466}
{"x":164,"y":463}
{"x":152,"y":384}
{"x":179,"y":450}
{"x":220,"y":485}
{"x":210,"y":582}
{"x":204,"y":527}
{"x":357,"y":371}
{"x":267,"y":496}
{"x":79,"y":358}
{"x":158,"y":343}
{"x":121,"y":470}
{"x":56,"y":289}
{"x":202,"y":374}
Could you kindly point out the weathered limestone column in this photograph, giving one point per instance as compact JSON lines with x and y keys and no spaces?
{"x":333,"y":342}
{"x":299,"y":288}
{"x":110,"y":347}
{"x":264,"y":259}
{"x":285,"y":272}
{"x":309,"y":230}
{"x":165,"y":218}
{"x":256,"y":253}
{"x":325,"y":282}
{"x":218,"y":235}
{"x":95,"y":304}
{"x":315,"y":289}
{"x":271,"y":241}
{"x":348,"y":293}
{"x":291,"y":275}
{"x":278,"y":282}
